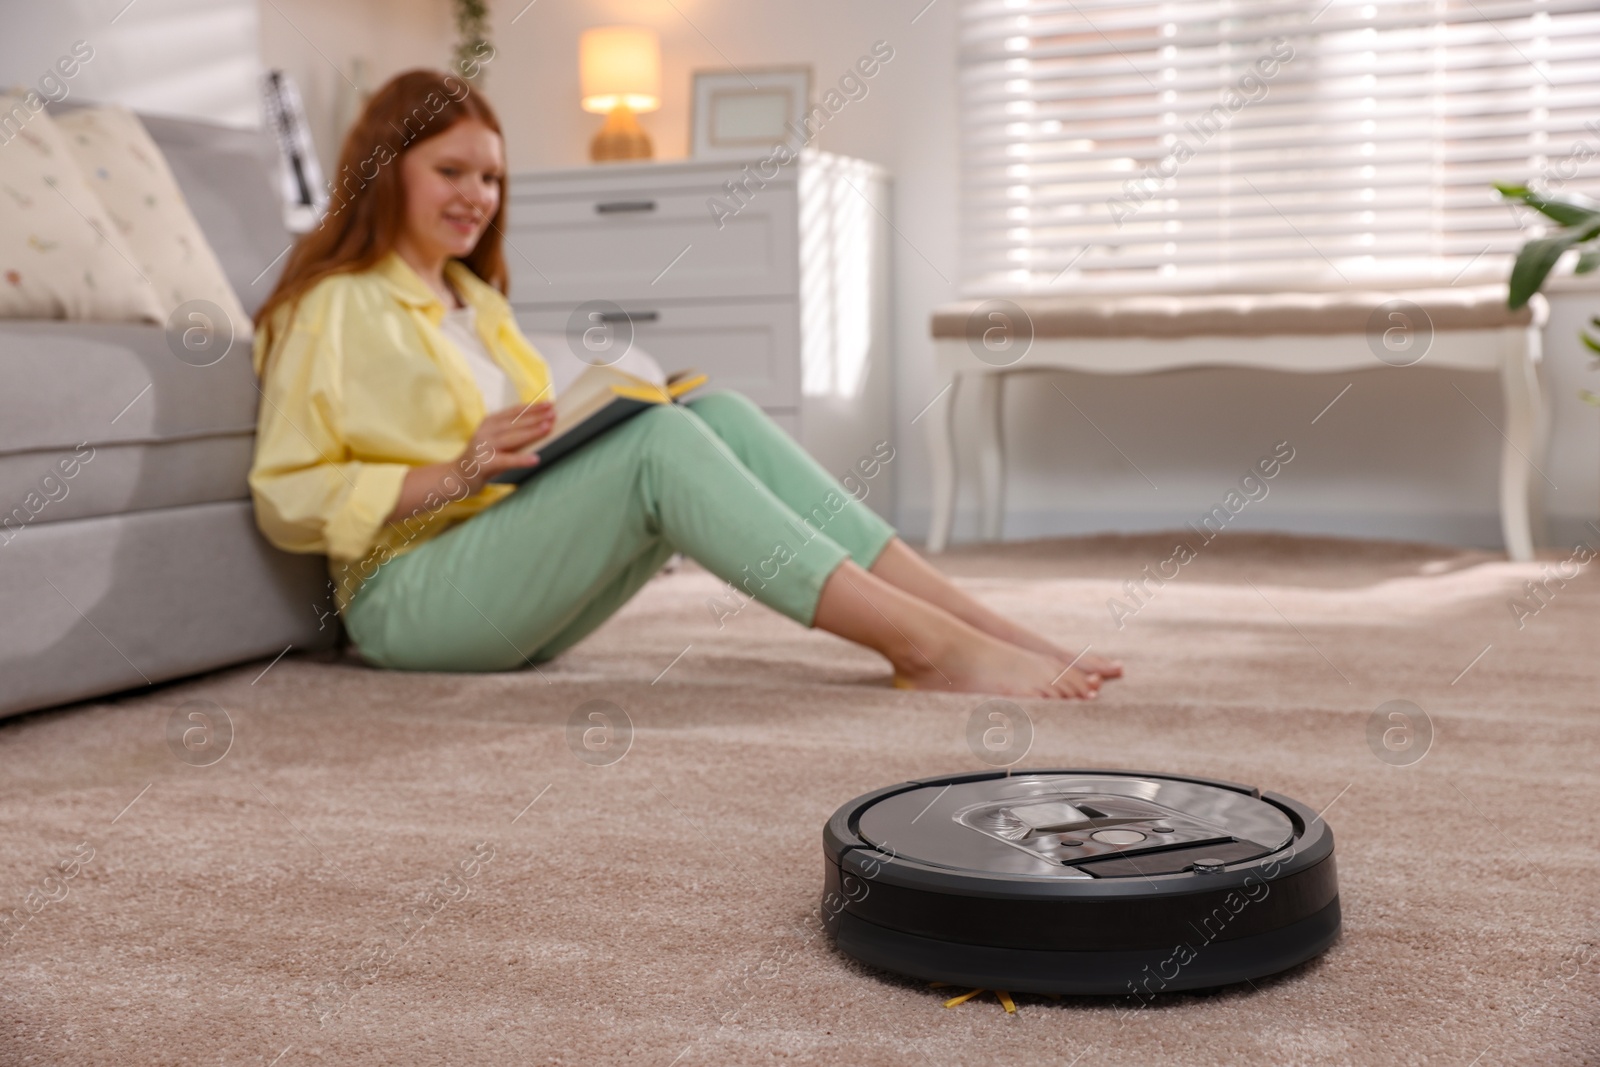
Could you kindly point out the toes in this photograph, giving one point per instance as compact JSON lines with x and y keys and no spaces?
{"x":1106,"y":668}
{"x":1076,"y":684}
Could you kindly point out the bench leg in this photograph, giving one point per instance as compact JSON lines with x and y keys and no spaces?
{"x":1541,"y":444}
{"x":941,"y":430}
{"x":1525,"y":420}
{"x":991,"y":453}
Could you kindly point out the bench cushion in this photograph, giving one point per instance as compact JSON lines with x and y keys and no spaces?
{"x":1241,"y":314}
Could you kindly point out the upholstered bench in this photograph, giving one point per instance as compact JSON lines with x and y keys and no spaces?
{"x":1468,"y":328}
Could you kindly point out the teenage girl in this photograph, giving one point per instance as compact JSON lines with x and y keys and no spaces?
{"x":396,"y":383}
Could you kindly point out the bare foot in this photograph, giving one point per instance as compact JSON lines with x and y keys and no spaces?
{"x":979,"y":663}
{"x":901,"y":567}
{"x":1090,"y":663}
{"x":1017,"y":634}
{"x":1084,"y":661}
{"x":1087,"y":662}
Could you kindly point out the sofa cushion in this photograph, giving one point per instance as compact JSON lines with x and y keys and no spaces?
{"x":131,"y":177}
{"x":60,"y":256}
{"x":126,"y":600}
{"x":146,"y":429}
{"x":226,"y":175}
{"x":1240,"y":314}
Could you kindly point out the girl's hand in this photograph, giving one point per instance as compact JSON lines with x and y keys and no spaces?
{"x":497,"y":446}
{"x":501,"y":441}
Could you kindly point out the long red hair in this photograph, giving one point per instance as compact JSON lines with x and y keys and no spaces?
{"x":366,"y":212}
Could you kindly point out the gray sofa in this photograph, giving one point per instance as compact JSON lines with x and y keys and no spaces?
{"x":128,"y":552}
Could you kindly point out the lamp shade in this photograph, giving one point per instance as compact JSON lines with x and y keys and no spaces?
{"x":620,"y":65}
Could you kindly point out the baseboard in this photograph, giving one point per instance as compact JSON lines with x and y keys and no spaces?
{"x":1468,"y":530}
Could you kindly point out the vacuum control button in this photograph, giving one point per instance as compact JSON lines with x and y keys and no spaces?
{"x":1118,"y":837}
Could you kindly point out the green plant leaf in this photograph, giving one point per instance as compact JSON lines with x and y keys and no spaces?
{"x":1589,"y":342}
{"x":1570,"y":210}
{"x":1589,"y":398}
{"x":1586,"y":263}
{"x":1534,"y":263}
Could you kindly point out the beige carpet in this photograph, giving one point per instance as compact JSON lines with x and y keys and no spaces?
{"x":367,"y":843}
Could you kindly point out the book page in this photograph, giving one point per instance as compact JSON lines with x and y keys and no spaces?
{"x":565,"y":365}
{"x":594,"y":389}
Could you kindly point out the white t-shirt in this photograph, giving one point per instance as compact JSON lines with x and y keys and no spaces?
{"x":460,"y":326}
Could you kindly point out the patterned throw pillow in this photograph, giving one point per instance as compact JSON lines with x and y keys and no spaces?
{"x":60,"y":255}
{"x":130,"y":176}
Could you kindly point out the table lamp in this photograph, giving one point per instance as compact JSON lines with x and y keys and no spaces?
{"x":620,"y":71}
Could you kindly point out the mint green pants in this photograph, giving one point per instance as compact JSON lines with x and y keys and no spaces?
{"x":532,"y":575}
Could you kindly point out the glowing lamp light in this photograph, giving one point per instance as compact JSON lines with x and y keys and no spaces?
{"x":620,"y":76}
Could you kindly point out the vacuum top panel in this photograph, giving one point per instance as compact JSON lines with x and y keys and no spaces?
{"x":1073,"y":826}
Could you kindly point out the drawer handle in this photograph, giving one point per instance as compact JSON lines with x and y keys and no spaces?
{"x":629,"y":316}
{"x":617,"y":207}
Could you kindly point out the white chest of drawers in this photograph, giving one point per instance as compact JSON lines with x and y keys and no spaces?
{"x":776,"y":288}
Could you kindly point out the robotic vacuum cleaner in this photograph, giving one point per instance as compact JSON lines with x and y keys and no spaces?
{"x":1079,"y":881}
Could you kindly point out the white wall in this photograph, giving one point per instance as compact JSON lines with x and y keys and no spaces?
{"x":1402,"y":454}
{"x":196,"y":58}
{"x":335,"y":48}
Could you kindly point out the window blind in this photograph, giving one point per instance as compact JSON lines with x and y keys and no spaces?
{"x":1153,"y":144}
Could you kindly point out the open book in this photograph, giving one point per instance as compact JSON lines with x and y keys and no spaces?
{"x":600,"y":398}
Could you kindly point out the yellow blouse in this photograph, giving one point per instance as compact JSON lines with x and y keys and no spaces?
{"x":359,"y":386}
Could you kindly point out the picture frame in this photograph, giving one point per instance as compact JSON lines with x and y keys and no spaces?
{"x":738,"y":115}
